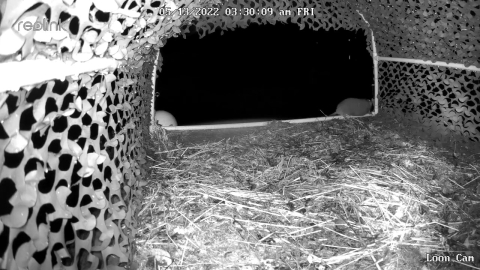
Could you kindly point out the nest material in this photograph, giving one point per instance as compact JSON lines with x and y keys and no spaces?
{"x":335,"y":195}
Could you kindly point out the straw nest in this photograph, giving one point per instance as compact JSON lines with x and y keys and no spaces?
{"x":345,"y":194}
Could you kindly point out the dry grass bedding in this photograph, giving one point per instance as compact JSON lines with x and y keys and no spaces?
{"x":343,"y":194}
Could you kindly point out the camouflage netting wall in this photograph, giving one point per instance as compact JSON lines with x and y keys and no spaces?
{"x":72,"y":136}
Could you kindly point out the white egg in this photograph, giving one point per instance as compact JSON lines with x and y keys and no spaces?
{"x":165,"y":119}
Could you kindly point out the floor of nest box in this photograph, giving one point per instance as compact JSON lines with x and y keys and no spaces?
{"x":194,"y":137}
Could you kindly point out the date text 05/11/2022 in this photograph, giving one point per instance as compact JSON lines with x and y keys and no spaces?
{"x":213,"y":11}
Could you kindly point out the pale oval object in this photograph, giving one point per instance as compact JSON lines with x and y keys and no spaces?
{"x":165,"y":119}
{"x":353,"y":107}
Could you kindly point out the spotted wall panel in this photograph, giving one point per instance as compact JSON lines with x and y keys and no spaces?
{"x":440,"y":30}
{"x":444,"y":100}
{"x":64,"y":175}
